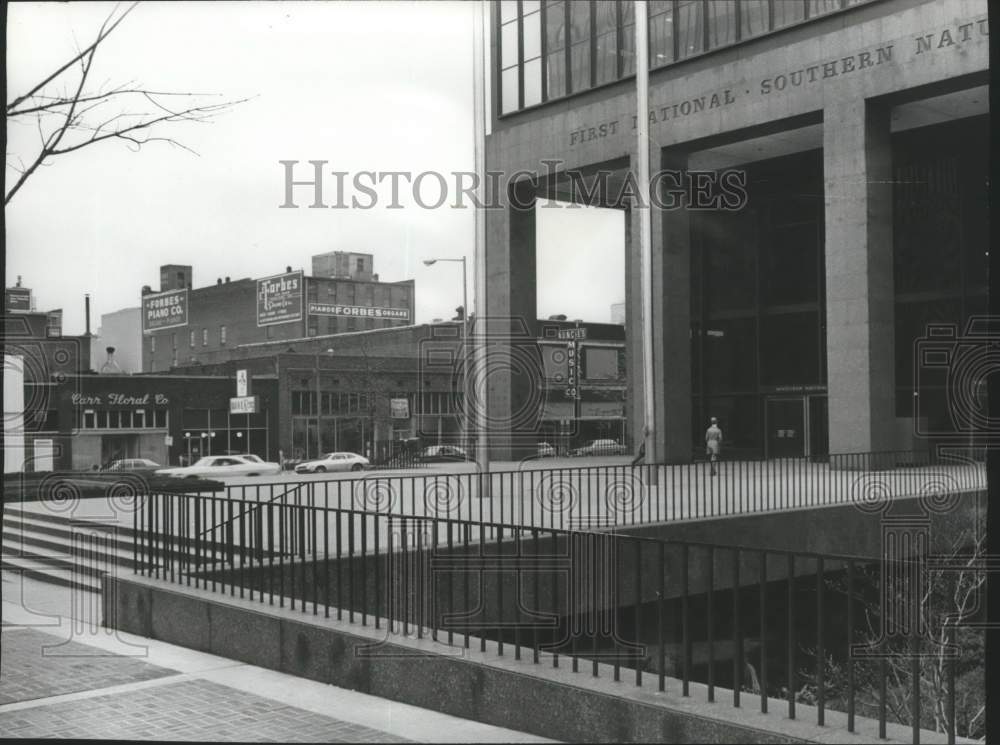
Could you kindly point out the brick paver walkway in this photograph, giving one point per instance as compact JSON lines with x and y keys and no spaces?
{"x":36,"y":665}
{"x":197,"y":710}
{"x":51,"y":688}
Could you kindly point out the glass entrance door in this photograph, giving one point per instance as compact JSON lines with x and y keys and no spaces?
{"x":786,"y":427}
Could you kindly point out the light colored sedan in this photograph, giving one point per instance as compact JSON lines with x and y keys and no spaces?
{"x":220,"y":466}
{"x":334,"y":462}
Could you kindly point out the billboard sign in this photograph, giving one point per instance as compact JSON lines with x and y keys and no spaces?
{"x":242,"y":384}
{"x":164,"y":310}
{"x":244,"y":405}
{"x":18,"y":300}
{"x":573,"y":333}
{"x":359,"y":311}
{"x":399,"y":408}
{"x":279,"y":299}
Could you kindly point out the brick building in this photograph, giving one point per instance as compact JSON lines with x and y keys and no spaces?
{"x":183,"y":325}
{"x":360,"y":391}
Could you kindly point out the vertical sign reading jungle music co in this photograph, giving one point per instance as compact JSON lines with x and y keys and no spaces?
{"x":279,"y":299}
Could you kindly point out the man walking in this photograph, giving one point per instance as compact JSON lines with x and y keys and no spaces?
{"x":713,"y":443}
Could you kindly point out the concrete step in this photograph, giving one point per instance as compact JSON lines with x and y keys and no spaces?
{"x":63,"y":528}
{"x":28,"y":541}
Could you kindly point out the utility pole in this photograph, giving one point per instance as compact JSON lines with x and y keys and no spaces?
{"x":645,"y":223}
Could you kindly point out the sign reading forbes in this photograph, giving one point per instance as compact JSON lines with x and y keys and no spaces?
{"x":279,"y":299}
{"x":354,"y":311}
{"x":164,"y":310}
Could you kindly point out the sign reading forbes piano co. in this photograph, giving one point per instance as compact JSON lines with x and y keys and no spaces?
{"x":164,"y":310}
{"x":279,"y":299}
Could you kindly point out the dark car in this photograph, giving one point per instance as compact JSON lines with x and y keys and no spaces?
{"x":132,"y":465}
{"x":599,"y":447}
{"x":443,"y":454}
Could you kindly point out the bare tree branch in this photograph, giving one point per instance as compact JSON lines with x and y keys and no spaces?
{"x":64,"y":114}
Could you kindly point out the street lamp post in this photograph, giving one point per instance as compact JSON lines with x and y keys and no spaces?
{"x":319,"y":411}
{"x":465,"y":346}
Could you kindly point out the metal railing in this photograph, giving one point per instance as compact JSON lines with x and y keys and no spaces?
{"x":567,"y":497}
{"x":694,"y":614}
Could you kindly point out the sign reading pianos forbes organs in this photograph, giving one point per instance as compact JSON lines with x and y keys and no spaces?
{"x":164,"y":310}
{"x":358,"y":311}
{"x":279,"y":299}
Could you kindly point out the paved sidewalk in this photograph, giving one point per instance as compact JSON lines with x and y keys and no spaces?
{"x":69,"y":678}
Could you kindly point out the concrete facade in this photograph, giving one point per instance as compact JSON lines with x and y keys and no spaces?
{"x":844,"y":72}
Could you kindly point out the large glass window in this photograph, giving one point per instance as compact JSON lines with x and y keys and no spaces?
{"x":729,"y":256}
{"x":535,"y":65}
{"x":509,"y":86}
{"x":661,"y":32}
{"x":579,"y":25}
{"x":555,"y":45}
{"x":755,"y":18}
{"x":532,"y":58}
{"x":790,"y":264}
{"x":606,"y":61}
{"x":787,"y":13}
{"x":730,"y":355}
{"x":721,"y":23}
{"x":790,"y":349}
{"x":627,"y":52}
{"x":691,"y":29}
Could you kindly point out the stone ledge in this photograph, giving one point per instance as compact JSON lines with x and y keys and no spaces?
{"x":483,"y":686}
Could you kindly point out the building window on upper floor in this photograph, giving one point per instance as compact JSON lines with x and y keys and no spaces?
{"x":222,"y":334}
{"x":787,"y":13}
{"x":579,"y":78}
{"x":606,"y":26}
{"x":192,"y":337}
{"x":548,"y":50}
{"x":269,"y":332}
{"x":204,"y":337}
{"x":313,"y":326}
{"x":755,"y":18}
{"x":152,"y":343}
{"x":555,"y":49}
{"x":722,"y":29}
{"x":661,"y":32}
{"x":159,"y":418}
{"x":627,"y":52}
{"x":690,"y":27}
{"x":510,"y":90}
{"x":360,"y":265}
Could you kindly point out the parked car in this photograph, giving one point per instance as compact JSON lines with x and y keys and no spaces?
{"x":133,"y":465}
{"x":599,"y":447}
{"x":442,"y":454}
{"x":545,"y":450}
{"x":334,"y":462}
{"x":216,"y":466}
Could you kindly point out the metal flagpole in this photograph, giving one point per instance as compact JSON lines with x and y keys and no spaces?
{"x":645,"y":223}
{"x":479,"y":261}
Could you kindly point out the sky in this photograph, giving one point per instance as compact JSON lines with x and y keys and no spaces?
{"x":364,"y":86}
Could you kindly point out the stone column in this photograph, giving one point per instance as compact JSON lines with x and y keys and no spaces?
{"x":672,"y":318}
{"x":857,"y":170}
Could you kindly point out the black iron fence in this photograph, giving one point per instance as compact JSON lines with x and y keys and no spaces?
{"x":580,"y":497}
{"x":840,"y":638}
